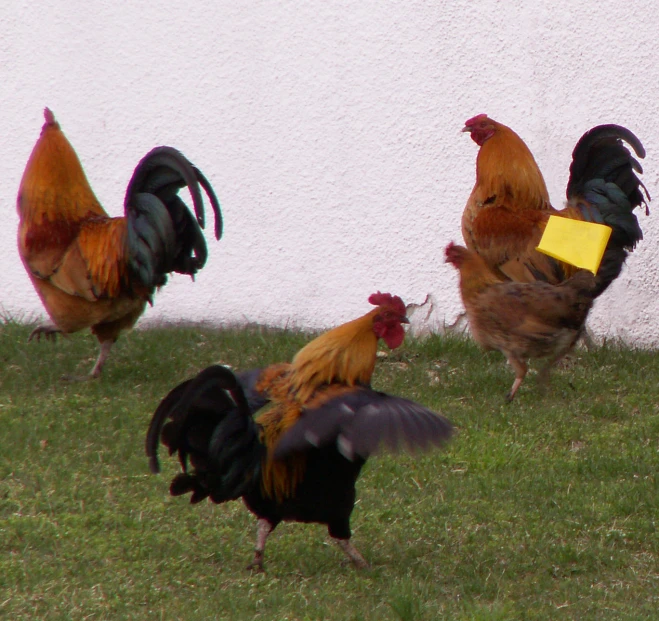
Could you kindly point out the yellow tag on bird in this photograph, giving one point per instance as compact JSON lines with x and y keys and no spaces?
{"x":575,"y":242}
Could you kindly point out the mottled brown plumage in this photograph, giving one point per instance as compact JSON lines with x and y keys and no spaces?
{"x":522,"y":320}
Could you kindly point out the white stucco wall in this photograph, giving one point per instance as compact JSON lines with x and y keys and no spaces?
{"x":330,"y":131}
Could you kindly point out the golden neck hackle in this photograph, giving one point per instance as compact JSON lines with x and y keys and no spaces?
{"x":506,"y":168}
{"x":54,"y":185}
{"x":340,"y":358}
{"x":344,"y":355}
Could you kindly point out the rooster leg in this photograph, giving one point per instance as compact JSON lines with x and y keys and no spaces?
{"x":48,"y":330}
{"x":543,"y":375}
{"x":520,"y":372}
{"x":263,"y":530}
{"x":106,"y":346}
{"x":351,"y":552}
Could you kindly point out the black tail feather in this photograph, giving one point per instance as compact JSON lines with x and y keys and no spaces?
{"x":610,"y":267}
{"x":208,"y":423}
{"x":605,"y":187}
{"x":163,"y":171}
{"x":157,"y":421}
{"x":601,"y":154}
{"x":191,"y":252}
{"x":215,"y":204}
{"x":164,"y":236}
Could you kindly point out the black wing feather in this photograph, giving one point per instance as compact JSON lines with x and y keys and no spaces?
{"x":364,"y":421}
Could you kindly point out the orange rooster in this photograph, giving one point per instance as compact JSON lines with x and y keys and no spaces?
{"x":91,"y":270}
{"x":506,"y":213}
{"x":522,"y":320}
{"x":318,"y":421}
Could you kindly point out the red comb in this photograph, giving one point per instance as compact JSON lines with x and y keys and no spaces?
{"x":386,"y":299}
{"x":50,"y":119}
{"x":475,"y":119}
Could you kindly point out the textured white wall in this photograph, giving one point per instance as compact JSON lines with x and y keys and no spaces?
{"x":330,"y":131}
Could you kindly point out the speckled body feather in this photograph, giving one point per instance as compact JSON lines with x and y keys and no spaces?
{"x":522,"y":320}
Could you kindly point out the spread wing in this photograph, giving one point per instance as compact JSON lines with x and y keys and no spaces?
{"x":361,"y":421}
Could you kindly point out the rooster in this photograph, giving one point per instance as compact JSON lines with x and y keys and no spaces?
{"x":509,"y":206}
{"x":318,"y":421}
{"x":94,"y":271}
{"x":523,"y":320}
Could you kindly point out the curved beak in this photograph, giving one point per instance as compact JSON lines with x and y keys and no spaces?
{"x":466,"y":129}
{"x":404,"y":319}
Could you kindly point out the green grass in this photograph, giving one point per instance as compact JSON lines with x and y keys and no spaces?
{"x":543,"y":509}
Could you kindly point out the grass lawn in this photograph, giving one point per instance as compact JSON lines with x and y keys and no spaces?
{"x":543,"y":509}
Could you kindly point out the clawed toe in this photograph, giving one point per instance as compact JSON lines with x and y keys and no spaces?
{"x":48,"y":332}
{"x":352,"y":554}
{"x":67,"y":377}
{"x":255,"y":568}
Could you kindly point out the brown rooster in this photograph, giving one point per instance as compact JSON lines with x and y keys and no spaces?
{"x":318,"y":421}
{"x":506,"y":213}
{"x":91,"y":270}
{"x":522,"y":320}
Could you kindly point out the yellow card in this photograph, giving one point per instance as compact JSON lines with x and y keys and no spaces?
{"x":575,"y":242}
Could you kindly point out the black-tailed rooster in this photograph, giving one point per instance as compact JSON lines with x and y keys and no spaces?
{"x":508,"y":208}
{"x":94,"y":271}
{"x":317,"y":422}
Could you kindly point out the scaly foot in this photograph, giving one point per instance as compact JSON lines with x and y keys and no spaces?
{"x":77,"y":378}
{"x":256,"y":565}
{"x":47,"y":330}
